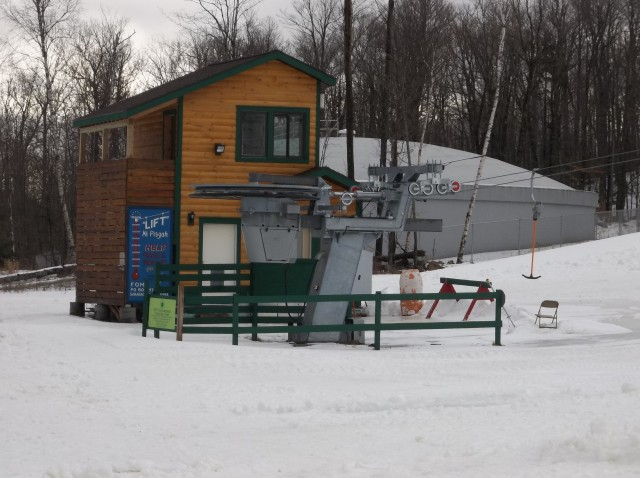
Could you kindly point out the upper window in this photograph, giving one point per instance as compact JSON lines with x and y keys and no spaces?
{"x":272,"y":134}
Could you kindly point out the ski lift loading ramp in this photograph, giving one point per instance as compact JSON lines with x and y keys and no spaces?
{"x":274,"y":209}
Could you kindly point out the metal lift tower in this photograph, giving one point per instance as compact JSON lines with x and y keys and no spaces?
{"x":274,"y":209}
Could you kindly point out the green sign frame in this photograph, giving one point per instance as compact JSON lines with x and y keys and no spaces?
{"x":162,"y":313}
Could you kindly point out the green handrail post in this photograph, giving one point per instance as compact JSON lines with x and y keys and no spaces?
{"x":235,"y":320}
{"x":259,"y":309}
{"x":378,"y":320}
{"x":500,"y":300}
{"x":254,"y":321}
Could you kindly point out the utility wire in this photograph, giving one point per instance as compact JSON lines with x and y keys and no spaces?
{"x":462,"y":159}
{"x":588,"y":160}
{"x":582,"y":161}
{"x":549,"y":175}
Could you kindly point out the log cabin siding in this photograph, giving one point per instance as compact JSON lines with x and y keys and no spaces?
{"x":147,"y":140}
{"x":209,"y":117}
{"x":100,"y":232}
{"x":150,"y":182}
{"x":205,"y":104}
{"x":105,"y":190}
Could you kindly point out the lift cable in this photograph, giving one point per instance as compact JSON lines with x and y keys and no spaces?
{"x":549,"y":175}
{"x":582,"y":161}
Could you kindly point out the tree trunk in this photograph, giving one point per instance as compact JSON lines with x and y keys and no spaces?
{"x":384,"y":104}
{"x":384,"y":100}
{"x":71,"y":246}
{"x":474,"y":194}
{"x":348,"y":19}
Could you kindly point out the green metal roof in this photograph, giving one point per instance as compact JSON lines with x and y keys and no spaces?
{"x":332,"y":175}
{"x":193,"y":81}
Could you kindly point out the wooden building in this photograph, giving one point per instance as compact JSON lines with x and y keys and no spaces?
{"x":140,"y":157}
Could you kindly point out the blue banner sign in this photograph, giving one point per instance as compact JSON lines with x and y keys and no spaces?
{"x":148,"y":243}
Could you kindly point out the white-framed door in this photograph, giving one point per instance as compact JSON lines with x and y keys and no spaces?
{"x":219,"y":242}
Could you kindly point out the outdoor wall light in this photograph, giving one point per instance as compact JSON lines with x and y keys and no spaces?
{"x":191,"y":218}
{"x":218,"y":149}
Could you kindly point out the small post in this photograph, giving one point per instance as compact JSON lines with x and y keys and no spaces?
{"x":620,"y":219}
{"x":145,"y":309}
{"x":234,"y":319}
{"x":378,"y":320}
{"x":499,"y":304}
{"x":472,"y":243}
{"x":254,"y":321}
{"x":180,"y":312}
{"x":519,"y":220}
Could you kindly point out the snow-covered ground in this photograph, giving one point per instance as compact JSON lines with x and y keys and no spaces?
{"x":81,"y":398}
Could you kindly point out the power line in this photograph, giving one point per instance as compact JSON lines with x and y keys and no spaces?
{"x":582,"y":161}
{"x":549,"y":175}
{"x":588,"y":160}
{"x":463,"y":159}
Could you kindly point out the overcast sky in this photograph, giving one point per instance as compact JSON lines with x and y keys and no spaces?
{"x":149,"y":17}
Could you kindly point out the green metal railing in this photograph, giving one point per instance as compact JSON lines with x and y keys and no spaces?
{"x":237,"y":314}
{"x":377,"y":326}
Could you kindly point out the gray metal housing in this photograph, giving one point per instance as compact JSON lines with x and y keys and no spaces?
{"x":502,"y":217}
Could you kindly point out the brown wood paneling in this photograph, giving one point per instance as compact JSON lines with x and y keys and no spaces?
{"x":100,"y":226}
{"x":105,"y":189}
{"x":150,"y":183}
{"x":99,"y":298}
{"x":209,"y":117}
{"x":147,"y":141}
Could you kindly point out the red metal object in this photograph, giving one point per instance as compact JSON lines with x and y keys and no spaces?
{"x":473,"y":302}
{"x":445,"y":289}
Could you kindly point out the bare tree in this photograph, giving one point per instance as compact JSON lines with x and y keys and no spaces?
{"x":260,"y":36}
{"x":173,"y":58}
{"x":317,"y":39}
{"x":19,"y":127}
{"x":4,"y":52}
{"x":348,"y":79}
{"x":45,"y":27}
{"x":104,"y":65}
{"x":630,"y":99}
{"x":386,"y":84}
{"x":221,"y":22}
{"x":467,"y":220}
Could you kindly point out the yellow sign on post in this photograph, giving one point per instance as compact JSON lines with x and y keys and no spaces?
{"x":162,"y":313}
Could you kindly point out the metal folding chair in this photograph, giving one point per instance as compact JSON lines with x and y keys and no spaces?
{"x":548,"y":310}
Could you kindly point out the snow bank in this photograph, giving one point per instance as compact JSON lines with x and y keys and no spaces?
{"x":87,"y":399}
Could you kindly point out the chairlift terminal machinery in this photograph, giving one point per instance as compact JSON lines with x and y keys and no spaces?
{"x":274,"y":209}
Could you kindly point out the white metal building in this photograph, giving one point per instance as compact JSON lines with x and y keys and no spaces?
{"x":502,"y":217}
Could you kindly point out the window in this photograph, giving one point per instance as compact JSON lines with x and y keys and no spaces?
{"x":272,"y":134}
{"x":254,"y":135}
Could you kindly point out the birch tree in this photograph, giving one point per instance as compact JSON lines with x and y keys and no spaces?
{"x":485,"y":147}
